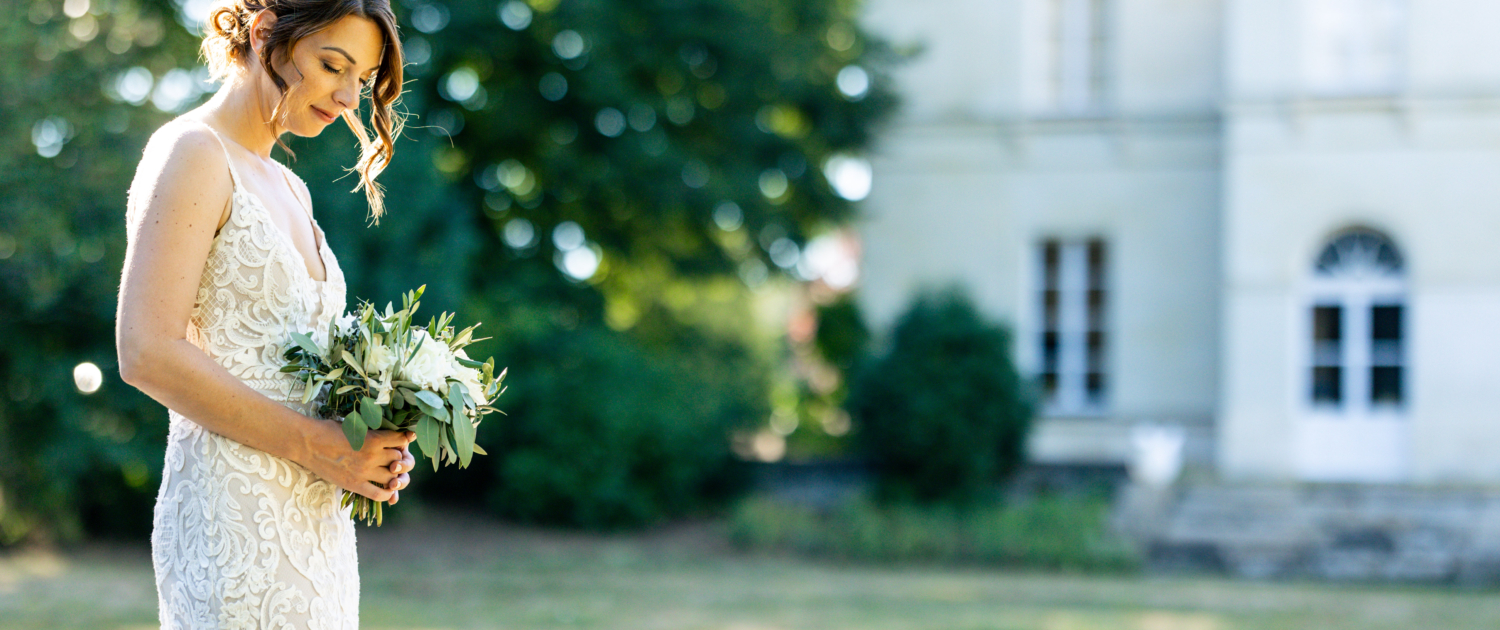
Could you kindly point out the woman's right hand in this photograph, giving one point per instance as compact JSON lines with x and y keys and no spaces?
{"x":371,"y":471}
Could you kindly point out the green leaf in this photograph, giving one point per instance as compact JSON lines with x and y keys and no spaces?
{"x":287,"y":369}
{"x":463,"y":434}
{"x":306,"y":343}
{"x":429,"y":399}
{"x":354,"y":429}
{"x":456,"y":398}
{"x":427,"y":438}
{"x":370,"y":412}
{"x":346,"y":389}
{"x":349,"y":358}
{"x":479,"y":451}
{"x":468,"y":363}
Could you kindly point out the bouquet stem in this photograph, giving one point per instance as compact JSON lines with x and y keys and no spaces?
{"x":364,"y":508}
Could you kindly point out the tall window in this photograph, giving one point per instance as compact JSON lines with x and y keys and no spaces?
{"x":1077,"y":48}
{"x":1358,"y":327}
{"x":1352,"y":46}
{"x":1073,"y":337}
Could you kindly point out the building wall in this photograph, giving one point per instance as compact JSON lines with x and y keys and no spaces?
{"x":978,"y":171}
{"x":1417,"y":162}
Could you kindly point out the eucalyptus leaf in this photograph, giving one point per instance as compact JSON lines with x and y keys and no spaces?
{"x":432,"y":400}
{"x":354,"y":429}
{"x":463,"y":434}
{"x":456,"y":397}
{"x":370,"y":412}
{"x":427,"y":439}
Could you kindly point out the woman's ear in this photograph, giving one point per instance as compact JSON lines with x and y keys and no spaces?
{"x":260,"y":30}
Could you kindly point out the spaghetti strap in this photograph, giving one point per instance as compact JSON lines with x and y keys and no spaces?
{"x":234,"y":176}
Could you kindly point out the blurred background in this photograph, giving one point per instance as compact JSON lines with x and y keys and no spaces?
{"x":825,"y":313}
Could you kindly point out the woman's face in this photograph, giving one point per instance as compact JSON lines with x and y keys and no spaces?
{"x":325,"y":74}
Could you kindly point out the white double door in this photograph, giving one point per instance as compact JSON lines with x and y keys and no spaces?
{"x":1351,"y":426}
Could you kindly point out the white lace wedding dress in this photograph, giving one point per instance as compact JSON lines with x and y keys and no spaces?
{"x":241,"y":538}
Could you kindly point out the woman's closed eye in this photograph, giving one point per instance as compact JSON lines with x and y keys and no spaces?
{"x":340,"y":71}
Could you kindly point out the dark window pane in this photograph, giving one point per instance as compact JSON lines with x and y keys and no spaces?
{"x":1096,"y":264}
{"x":1050,"y":304}
{"x":1094,"y":387}
{"x":1049,"y":351}
{"x":1096,"y":309}
{"x":1327,"y":385}
{"x":1385,"y":385}
{"x":1385,"y":323}
{"x":1327,"y":323}
{"x":1096,"y":351}
{"x":1049,"y":386}
{"x":1051,"y":262}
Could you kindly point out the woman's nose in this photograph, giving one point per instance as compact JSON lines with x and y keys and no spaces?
{"x":345,"y":97}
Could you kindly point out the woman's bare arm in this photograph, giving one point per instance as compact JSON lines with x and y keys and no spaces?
{"x":181,"y":189}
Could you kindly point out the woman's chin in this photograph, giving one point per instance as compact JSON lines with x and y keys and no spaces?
{"x":308,"y":129}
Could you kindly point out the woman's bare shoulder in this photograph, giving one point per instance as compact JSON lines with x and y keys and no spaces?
{"x":183,"y":168}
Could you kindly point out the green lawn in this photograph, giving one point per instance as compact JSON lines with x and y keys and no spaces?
{"x":462,"y":573}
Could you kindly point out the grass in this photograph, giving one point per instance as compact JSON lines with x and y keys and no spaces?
{"x":455,"y":572}
{"x":1047,"y":533}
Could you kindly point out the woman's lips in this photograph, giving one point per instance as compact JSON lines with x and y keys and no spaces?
{"x":327,"y":118}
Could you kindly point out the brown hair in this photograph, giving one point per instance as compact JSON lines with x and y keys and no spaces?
{"x":226,"y":40}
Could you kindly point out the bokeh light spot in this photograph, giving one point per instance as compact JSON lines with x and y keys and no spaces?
{"x":568,"y":236}
{"x":773,"y":183}
{"x":728,"y":216}
{"x":569,"y":44}
{"x":610,"y":122}
{"x":515,"y":15}
{"x":429,"y":18}
{"x":853,"y":82}
{"x":87,"y":377}
{"x":553,"y":86}
{"x":519,"y":233}
{"x":580,"y":263}
{"x":851,"y":177}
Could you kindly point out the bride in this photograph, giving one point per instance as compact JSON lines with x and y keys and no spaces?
{"x":223,"y":261}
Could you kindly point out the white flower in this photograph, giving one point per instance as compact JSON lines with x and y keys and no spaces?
{"x":378,"y":359}
{"x":468,"y":376}
{"x":383,"y":391}
{"x":347,"y":324}
{"x":432,"y":364}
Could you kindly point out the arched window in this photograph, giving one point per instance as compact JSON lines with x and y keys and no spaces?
{"x":1358,"y":325}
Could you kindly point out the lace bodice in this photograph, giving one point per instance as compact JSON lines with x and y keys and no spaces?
{"x":241,"y":538}
{"x":255,"y":291}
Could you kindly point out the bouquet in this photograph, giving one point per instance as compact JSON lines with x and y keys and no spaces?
{"x":378,"y":371}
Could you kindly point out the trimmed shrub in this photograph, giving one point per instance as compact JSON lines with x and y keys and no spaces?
{"x":942,"y":415}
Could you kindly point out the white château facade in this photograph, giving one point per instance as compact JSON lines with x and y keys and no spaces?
{"x":1270,"y":222}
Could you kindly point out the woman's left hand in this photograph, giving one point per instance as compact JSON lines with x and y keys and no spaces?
{"x":402,"y":468}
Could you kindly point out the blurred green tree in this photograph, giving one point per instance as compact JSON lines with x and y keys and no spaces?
{"x":72,"y":78}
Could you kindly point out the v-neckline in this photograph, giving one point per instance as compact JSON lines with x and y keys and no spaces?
{"x":319,"y":239}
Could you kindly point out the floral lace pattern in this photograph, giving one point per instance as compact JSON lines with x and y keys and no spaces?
{"x":242,"y":538}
